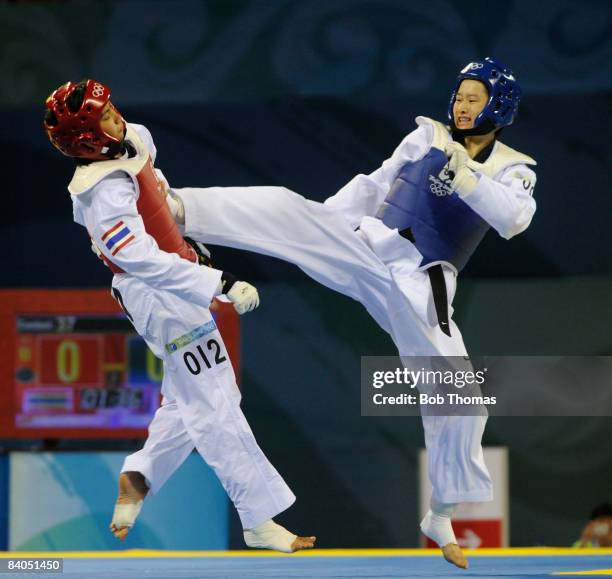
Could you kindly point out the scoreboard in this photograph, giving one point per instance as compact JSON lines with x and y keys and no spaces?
{"x":83,"y":371}
{"x":72,"y":366}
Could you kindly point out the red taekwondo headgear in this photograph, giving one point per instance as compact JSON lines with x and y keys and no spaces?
{"x":74,"y":126}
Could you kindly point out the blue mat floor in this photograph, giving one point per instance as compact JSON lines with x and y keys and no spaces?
{"x":361,"y":567}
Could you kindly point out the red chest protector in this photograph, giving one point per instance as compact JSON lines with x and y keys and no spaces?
{"x":157,"y":218}
{"x":151,"y":204}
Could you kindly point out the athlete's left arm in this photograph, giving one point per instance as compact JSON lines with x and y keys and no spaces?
{"x":505,"y":202}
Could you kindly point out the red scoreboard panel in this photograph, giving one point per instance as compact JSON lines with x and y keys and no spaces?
{"x":72,"y":366}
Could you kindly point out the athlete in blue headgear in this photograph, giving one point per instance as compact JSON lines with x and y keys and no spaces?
{"x":395,"y":241}
{"x":502,"y":97}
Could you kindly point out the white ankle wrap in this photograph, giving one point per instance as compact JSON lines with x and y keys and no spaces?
{"x":125,"y":515}
{"x":438,"y":528}
{"x":269,"y":535}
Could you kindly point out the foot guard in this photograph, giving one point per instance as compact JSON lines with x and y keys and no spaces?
{"x":125,"y":515}
{"x":438,"y":529}
{"x":269,"y":535}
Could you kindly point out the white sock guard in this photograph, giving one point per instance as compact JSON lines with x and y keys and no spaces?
{"x":269,"y":535}
{"x":438,"y":528}
{"x":125,"y":515}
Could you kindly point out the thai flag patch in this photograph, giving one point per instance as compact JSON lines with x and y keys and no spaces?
{"x":117,"y":237}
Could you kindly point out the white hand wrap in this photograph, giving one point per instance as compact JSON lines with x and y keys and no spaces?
{"x":244,"y":296}
{"x":463,"y":167}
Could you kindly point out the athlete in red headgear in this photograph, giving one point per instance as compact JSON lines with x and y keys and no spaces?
{"x":120,"y":198}
{"x":82,"y":122}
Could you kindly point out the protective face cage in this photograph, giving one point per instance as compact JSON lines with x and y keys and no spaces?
{"x":504,"y":93}
{"x":78,"y":133}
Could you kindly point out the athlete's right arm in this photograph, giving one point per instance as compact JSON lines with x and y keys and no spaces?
{"x":111,"y":217}
{"x":364,"y":194}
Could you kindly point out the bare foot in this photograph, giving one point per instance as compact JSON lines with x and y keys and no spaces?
{"x":453,"y":554}
{"x":132,"y":491}
{"x":303,"y":543}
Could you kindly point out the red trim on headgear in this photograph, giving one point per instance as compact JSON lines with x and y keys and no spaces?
{"x":78,"y":134}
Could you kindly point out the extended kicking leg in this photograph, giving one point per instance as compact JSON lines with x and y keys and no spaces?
{"x":277,"y":222}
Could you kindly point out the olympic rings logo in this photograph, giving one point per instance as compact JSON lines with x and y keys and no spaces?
{"x":472,"y":66}
{"x":98,"y":90}
{"x":438,"y":187}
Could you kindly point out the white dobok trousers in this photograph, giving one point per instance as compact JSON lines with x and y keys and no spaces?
{"x":200,"y":407}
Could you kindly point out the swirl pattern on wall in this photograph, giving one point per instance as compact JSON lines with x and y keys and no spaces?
{"x":196,"y":51}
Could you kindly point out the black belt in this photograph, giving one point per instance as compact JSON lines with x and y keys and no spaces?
{"x":438,"y":287}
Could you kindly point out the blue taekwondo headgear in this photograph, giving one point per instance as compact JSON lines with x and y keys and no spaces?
{"x":504,"y":95}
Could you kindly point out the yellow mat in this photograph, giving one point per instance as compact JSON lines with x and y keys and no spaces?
{"x":139,"y":553}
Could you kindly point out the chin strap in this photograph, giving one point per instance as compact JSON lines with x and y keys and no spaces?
{"x":119,"y":149}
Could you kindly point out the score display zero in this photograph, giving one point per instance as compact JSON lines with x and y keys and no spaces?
{"x":87,"y":360}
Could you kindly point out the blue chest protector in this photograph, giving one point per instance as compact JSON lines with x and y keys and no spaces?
{"x":421,"y":198}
